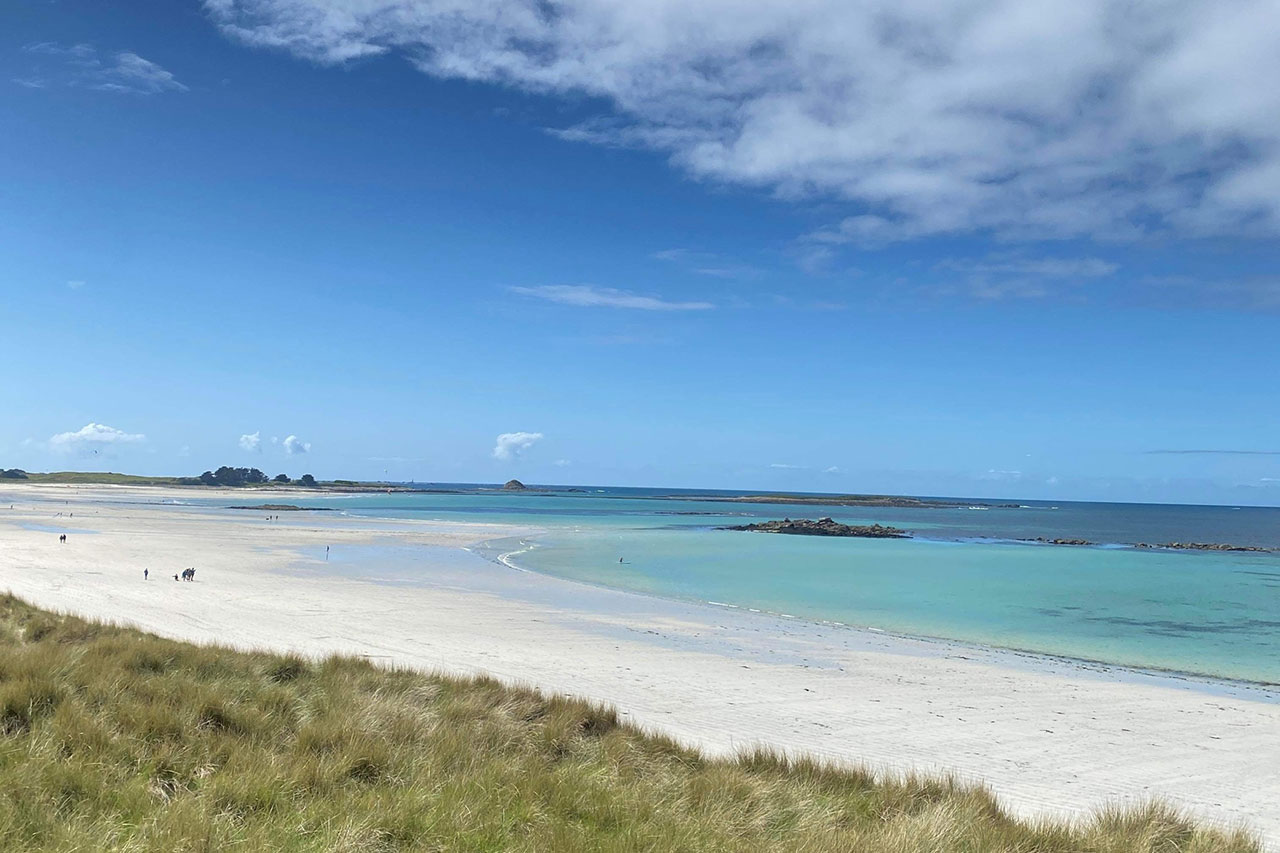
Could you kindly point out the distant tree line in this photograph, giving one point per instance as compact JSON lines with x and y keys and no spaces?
{"x":13,"y":474}
{"x":228,"y":476}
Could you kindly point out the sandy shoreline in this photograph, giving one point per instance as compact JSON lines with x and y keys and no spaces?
{"x":1049,"y":737}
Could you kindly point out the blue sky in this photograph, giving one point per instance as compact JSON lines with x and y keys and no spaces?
{"x":980,"y":249}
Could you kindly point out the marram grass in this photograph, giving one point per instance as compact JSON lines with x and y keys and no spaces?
{"x":111,"y":739}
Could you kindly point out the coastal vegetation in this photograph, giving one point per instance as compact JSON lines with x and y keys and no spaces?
{"x":112,"y":739}
{"x":109,"y":478}
{"x":228,"y":476}
{"x":224,"y":477}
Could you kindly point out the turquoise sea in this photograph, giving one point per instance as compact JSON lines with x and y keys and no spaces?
{"x":964,"y":577}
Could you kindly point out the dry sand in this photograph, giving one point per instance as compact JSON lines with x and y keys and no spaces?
{"x":1049,"y":737}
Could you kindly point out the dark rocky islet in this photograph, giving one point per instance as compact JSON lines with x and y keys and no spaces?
{"x":823,"y":527}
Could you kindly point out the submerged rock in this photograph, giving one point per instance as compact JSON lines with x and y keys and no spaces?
{"x":823,"y":527}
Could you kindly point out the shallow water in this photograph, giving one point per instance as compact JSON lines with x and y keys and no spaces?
{"x":963,"y":578}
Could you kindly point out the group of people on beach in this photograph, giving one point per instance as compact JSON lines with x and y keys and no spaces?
{"x":62,"y":540}
{"x":187,"y":574}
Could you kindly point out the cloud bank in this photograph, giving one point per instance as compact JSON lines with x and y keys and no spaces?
{"x":1023,"y":118}
{"x":585,"y":296}
{"x":92,"y":437}
{"x":251,"y":442}
{"x":510,"y":445}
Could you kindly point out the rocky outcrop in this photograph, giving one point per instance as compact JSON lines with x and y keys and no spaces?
{"x":1204,"y":546}
{"x":1044,"y":541}
{"x":823,"y":527}
{"x":515,"y":486}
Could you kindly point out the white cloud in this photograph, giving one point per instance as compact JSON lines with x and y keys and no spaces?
{"x":93,"y":436}
{"x":1012,"y":264}
{"x":993,"y":474}
{"x":586,"y":296}
{"x":252,"y":442}
{"x":131,"y":73}
{"x":294,"y":445}
{"x":787,"y":467}
{"x":510,"y":445}
{"x":1011,"y":275}
{"x":832,"y":470}
{"x":562,"y":463}
{"x":81,"y":65}
{"x":1027,"y":119}
{"x":706,"y":263}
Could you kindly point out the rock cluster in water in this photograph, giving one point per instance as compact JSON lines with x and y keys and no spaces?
{"x":1203,"y":546}
{"x":823,"y":527}
{"x":1044,"y":541}
{"x":515,"y":486}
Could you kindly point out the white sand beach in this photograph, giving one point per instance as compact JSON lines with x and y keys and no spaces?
{"x":1049,"y":737}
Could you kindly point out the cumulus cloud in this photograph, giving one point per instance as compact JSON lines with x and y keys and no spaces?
{"x":1025,"y":119}
{"x":586,"y":296}
{"x":93,"y":437}
{"x":294,"y":445}
{"x":252,"y":442}
{"x":510,"y":445}
{"x":83,"y":65}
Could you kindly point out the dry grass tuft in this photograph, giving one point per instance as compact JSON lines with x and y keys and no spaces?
{"x":111,"y":739}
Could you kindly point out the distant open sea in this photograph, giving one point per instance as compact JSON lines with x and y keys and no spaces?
{"x":964,"y":577}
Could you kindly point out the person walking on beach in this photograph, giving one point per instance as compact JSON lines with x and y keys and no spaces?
{"x":326,"y":553}
{"x":145,"y":573}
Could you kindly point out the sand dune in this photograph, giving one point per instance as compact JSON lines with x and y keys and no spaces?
{"x":1047,"y":736}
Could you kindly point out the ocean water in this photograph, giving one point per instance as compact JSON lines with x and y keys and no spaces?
{"x":964,"y":577}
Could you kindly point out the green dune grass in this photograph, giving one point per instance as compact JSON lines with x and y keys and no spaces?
{"x":111,"y":739}
{"x":95,"y":478}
